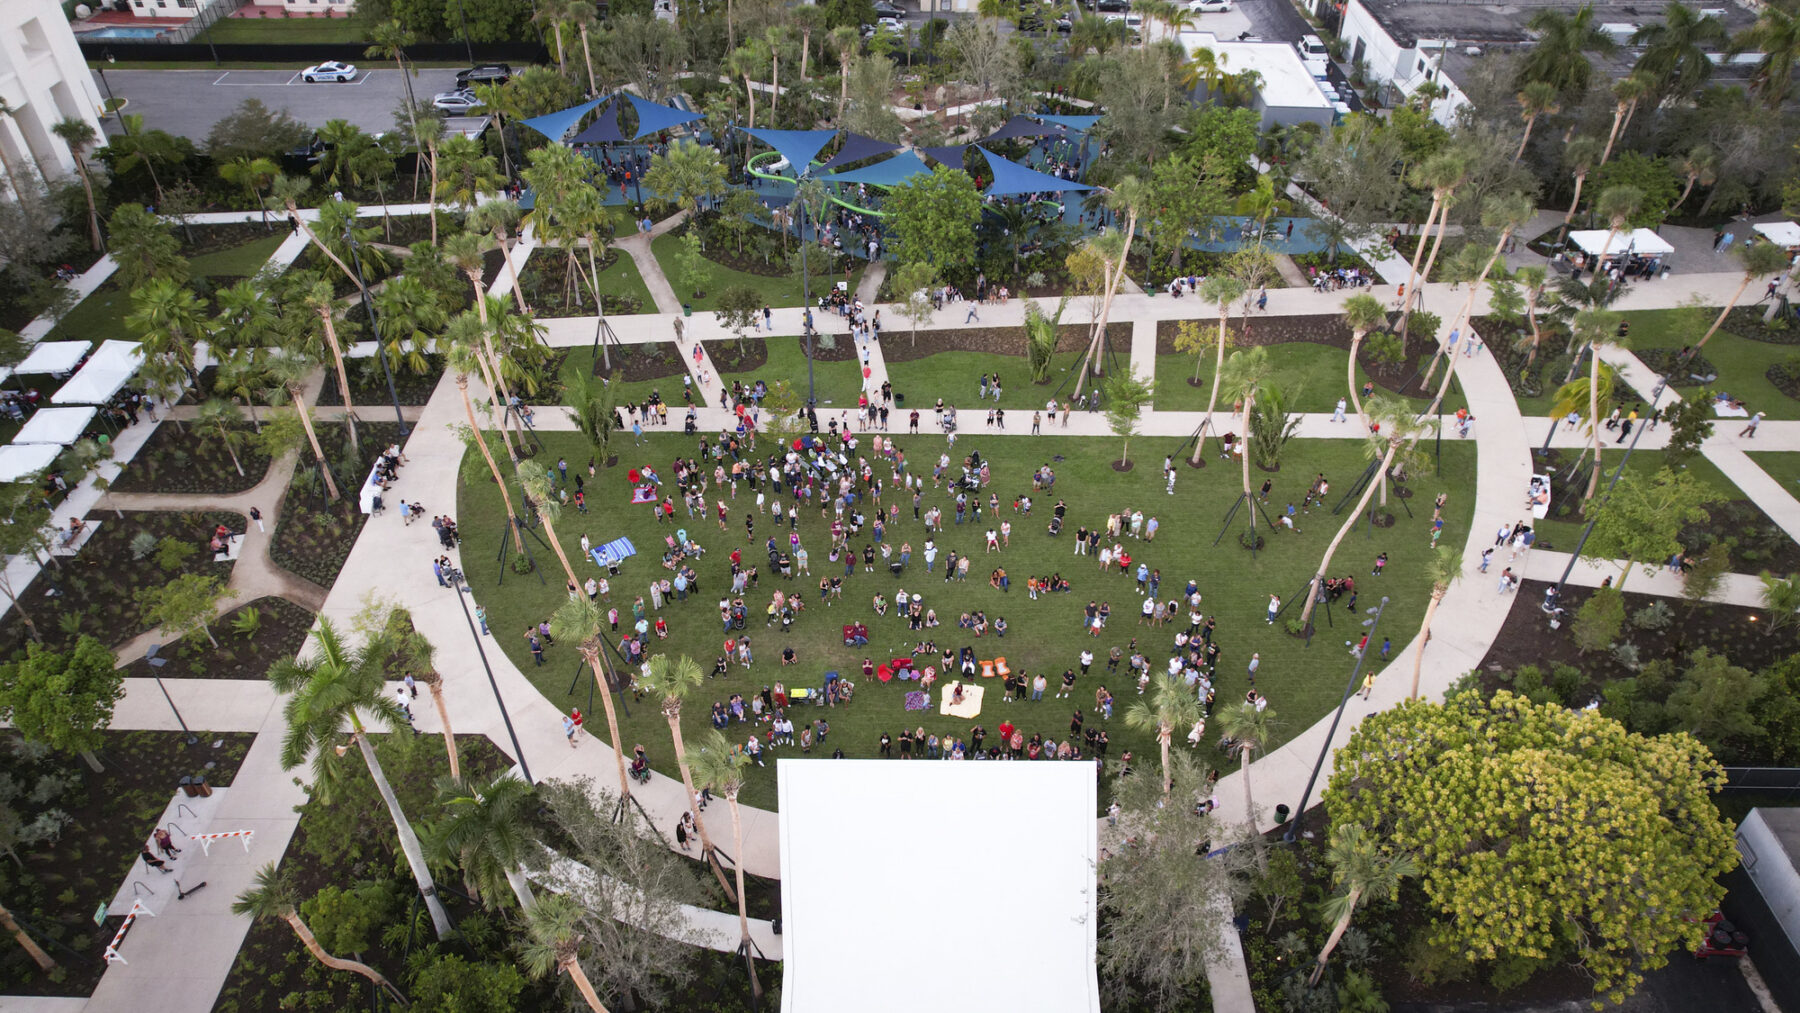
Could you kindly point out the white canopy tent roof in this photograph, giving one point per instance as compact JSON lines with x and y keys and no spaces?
{"x":111,"y":367}
{"x":1780,"y":233}
{"x":53,"y":357}
{"x":845,"y":877}
{"x":18,"y":463}
{"x":1641,"y":242}
{"x":57,"y":426}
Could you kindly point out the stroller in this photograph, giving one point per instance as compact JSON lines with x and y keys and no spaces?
{"x":1055,"y":526}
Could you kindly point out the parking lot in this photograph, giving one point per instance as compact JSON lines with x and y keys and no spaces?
{"x":189,"y":102}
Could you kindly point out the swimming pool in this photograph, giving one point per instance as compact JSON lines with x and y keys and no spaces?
{"x":122,"y":32}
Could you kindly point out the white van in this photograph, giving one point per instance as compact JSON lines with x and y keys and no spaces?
{"x":1314,"y":54}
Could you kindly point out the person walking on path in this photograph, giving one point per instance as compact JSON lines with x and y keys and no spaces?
{"x":569,"y":730}
{"x":681,"y":834}
{"x":1337,"y":415}
{"x":1368,"y":685}
{"x":1749,"y":431}
{"x":256,"y":515}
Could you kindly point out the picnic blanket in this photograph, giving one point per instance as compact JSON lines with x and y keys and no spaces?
{"x":643,"y":494}
{"x":969,"y":708}
{"x":1725,"y":411}
{"x":917,"y":701}
{"x":616,"y":550}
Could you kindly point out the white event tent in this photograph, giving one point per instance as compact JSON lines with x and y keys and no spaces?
{"x":856,"y":860}
{"x":111,"y":367}
{"x":1637,"y":242}
{"x":19,"y":463}
{"x":54,"y":357}
{"x":58,"y":426}
{"x":1783,"y":234}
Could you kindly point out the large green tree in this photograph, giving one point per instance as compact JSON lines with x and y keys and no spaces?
{"x":933,"y":218}
{"x":63,"y":699}
{"x":1640,"y":520}
{"x":1543,"y":835}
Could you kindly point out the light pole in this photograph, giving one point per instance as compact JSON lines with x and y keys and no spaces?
{"x":112,"y":104}
{"x":805,"y":293}
{"x":462,"y":16}
{"x":1325,"y":750}
{"x":362,"y":287}
{"x":461,"y":588}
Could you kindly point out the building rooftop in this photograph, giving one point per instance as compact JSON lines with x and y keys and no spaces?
{"x":1463,"y":23}
{"x":1286,"y":83}
{"x":1785,"y":825}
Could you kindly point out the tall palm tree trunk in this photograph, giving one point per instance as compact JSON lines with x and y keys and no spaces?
{"x":343,"y":377}
{"x":1113,"y":280}
{"x":588,"y":56}
{"x":743,"y":901}
{"x":593,"y":656}
{"x":331,"y":489}
{"x":462,"y":386}
{"x":512,"y":269}
{"x":1412,"y":273}
{"x":1337,"y":934}
{"x":1569,"y":216}
{"x":1462,"y":320}
{"x":1356,"y":340}
{"x":1250,"y":807}
{"x":1164,"y":735}
{"x":308,"y":940}
{"x":1218,"y":373}
{"x":1415,"y":294}
{"x":1437,"y":598}
{"x":313,"y":238}
{"x":1594,"y":417}
{"x":707,"y":852}
{"x":1719,"y":321}
{"x":1530,"y":121}
{"x":583,"y":985}
{"x":521,"y":888}
{"x":44,"y":961}
{"x":409,"y":840}
{"x":436,"y":685}
{"x":1312,"y":595}
{"x":87,"y":188}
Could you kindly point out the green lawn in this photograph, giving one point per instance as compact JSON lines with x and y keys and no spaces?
{"x":1310,"y":375}
{"x":623,"y":279}
{"x":1783,"y":467}
{"x":1742,"y":364}
{"x":239,"y":261}
{"x":1045,"y":636}
{"x":837,"y":384}
{"x":101,"y":316}
{"x":289,"y":31}
{"x":956,"y":377}
{"x":1564,"y":533}
{"x":782,"y":291}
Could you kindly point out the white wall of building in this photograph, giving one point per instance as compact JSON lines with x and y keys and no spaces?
{"x":1768,"y":865}
{"x":321,"y":6}
{"x":43,"y":80}
{"x":168,"y":8}
{"x":1403,"y":67}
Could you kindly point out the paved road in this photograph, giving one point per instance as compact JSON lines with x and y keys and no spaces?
{"x":189,"y":102}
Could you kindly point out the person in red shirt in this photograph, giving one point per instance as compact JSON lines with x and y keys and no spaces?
{"x":1006,"y":731}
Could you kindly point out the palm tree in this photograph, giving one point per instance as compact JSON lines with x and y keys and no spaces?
{"x":335,"y":687}
{"x":1579,"y":394}
{"x":500,"y":219}
{"x":254,"y":175}
{"x":410,"y":319}
{"x":1442,"y":173}
{"x":1580,"y":155}
{"x":1559,"y":57}
{"x":271,"y":895}
{"x":806,"y":19}
{"x":291,"y":371}
{"x":170,"y":320}
{"x":674,"y":679}
{"x":1592,"y":327}
{"x":390,"y":40}
{"x":578,"y":620}
{"x":288,"y":191}
{"x":1532,"y":279}
{"x":1508,"y":213}
{"x":1397,"y":427}
{"x":484,"y":827}
{"x":427,"y":129}
{"x":221,"y":415}
{"x":80,"y":136}
{"x":465,"y":172}
{"x":555,"y":13}
{"x":1675,"y":50}
{"x":1363,"y":869}
{"x":1245,"y":373}
{"x":1444,"y":568}
{"x":553,"y":943}
{"x":1362,"y":314}
{"x":774,"y":41}
{"x":719,"y":767}
{"x":1758,"y":261}
{"x":1249,"y":730}
{"x":745,"y":61}
{"x":1171,"y":706}
{"x":1127,"y":197}
{"x":1221,"y":290}
{"x":319,"y":298}
{"x":1699,"y":165}
{"x":422,"y":650}
{"x":1536,"y":98}
{"x":463,"y":354}
{"x":1627,"y":91}
{"x":846,"y":43}
{"x":540,"y":494}
{"x":1776,"y":35}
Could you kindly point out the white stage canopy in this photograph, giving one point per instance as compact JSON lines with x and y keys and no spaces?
{"x":55,"y":357}
{"x":57,"y":426}
{"x":1640,"y":242}
{"x":853,"y":866}
{"x":1780,"y":233}
{"x":112,"y":367}
{"x":19,"y":463}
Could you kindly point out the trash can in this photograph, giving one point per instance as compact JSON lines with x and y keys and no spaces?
{"x":186,"y":785}
{"x":899,"y":399}
{"x":687,"y":309}
{"x":201,"y":788}
{"x":1281,"y":813}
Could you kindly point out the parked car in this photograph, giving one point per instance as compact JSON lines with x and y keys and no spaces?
{"x":456,"y":102}
{"x":331,"y":70}
{"x":1209,"y":6}
{"x":484,"y":73}
{"x":885,"y":25}
{"x":883,"y":9}
{"x":1113,"y":6}
{"x":1064,"y":25}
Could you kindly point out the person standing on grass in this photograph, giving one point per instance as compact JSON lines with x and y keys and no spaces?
{"x":1380,"y":564}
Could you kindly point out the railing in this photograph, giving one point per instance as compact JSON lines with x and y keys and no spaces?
{"x":201,"y":22}
{"x":1762,"y":781}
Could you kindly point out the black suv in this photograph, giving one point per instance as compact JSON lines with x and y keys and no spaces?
{"x":486,"y":73}
{"x":883,"y":9}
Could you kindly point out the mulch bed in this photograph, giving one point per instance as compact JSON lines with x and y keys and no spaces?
{"x":1662,"y":361}
{"x":1747,"y":322}
{"x":280,"y":633}
{"x":1400,"y":377}
{"x":110,"y":814}
{"x":754,"y":353}
{"x":542,"y":280}
{"x":1786,"y":377}
{"x":313,"y":536}
{"x":897,"y":344}
{"x":226,"y":236}
{"x":1526,"y":638}
{"x":369,"y":389}
{"x":102,"y":586}
{"x":187,"y":459}
{"x":652,"y":360}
